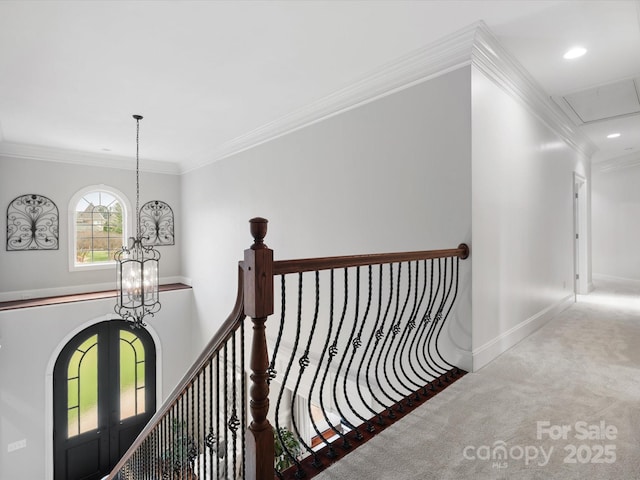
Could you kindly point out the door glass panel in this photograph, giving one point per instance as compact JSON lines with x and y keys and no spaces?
{"x":82,"y":388}
{"x":132,"y":381}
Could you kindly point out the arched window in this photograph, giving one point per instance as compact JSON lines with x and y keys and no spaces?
{"x":99,"y":224}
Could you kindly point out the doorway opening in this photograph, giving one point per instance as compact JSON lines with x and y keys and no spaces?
{"x":104,"y":393}
{"x":581,"y":258}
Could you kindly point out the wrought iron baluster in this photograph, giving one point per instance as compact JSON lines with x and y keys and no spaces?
{"x":404,"y":357}
{"x":316,"y":461}
{"x":375,"y":334}
{"x":210,"y":438}
{"x":225,"y":400}
{"x":303,"y":362}
{"x":426,"y":350}
{"x":423,"y":328}
{"x":191,"y":447}
{"x":243,"y":395}
{"x":356,"y":342}
{"x":414,"y":361}
{"x":181,"y":426}
{"x":437,"y":323}
{"x":380,"y":335}
{"x":395,"y":362}
{"x":446,"y":315}
{"x":283,"y":308}
{"x":219,"y":450}
{"x":198,"y":420}
{"x":333,"y":350}
{"x":393,"y":332}
{"x":286,"y":377}
{"x":344,"y":357}
{"x":343,"y":417}
{"x":234,"y":423}
{"x":370,"y":427}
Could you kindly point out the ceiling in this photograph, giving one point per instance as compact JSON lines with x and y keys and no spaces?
{"x":206,"y":73}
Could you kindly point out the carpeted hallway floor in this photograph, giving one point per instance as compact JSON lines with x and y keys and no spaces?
{"x":563,"y":404}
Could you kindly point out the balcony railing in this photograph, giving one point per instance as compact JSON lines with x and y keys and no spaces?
{"x":352,"y":348}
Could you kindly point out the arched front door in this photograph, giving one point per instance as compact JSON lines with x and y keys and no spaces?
{"x":104,"y":390}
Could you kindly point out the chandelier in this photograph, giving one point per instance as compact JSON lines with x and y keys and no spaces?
{"x":137,"y":272}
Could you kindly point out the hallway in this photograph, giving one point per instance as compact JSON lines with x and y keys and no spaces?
{"x":562,"y":404}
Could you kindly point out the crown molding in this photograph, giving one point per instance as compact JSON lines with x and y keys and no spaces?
{"x":492,"y":59}
{"x":473,"y":45}
{"x":618,"y":163}
{"x":51,"y":154}
{"x":435,"y":59}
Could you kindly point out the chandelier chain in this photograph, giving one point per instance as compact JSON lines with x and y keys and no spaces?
{"x":138,"y":178}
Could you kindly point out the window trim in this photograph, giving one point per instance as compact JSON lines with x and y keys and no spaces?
{"x":127,"y":224}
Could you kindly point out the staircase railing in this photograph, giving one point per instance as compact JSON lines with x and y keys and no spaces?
{"x":199,"y":431}
{"x":361,"y":349}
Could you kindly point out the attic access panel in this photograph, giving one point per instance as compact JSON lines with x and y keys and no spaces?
{"x":605,"y":102}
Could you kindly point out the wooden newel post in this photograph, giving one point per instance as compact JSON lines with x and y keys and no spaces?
{"x":258,"y":304}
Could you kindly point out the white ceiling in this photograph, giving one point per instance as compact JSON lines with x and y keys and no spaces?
{"x":205,"y":73}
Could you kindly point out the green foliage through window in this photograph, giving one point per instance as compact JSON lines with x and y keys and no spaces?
{"x":99,"y":227}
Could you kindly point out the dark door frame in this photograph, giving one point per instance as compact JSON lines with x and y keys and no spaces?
{"x":113,"y":436}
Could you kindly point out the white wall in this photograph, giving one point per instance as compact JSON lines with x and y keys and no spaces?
{"x":46,"y":272}
{"x":30,"y":339}
{"x":522,"y":215}
{"x":390,"y":175}
{"x":616,"y":229}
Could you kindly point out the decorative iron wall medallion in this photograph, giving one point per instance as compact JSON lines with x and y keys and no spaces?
{"x":156,"y":223}
{"x":32,"y":223}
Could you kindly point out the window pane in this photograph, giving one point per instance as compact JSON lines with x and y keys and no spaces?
{"x":72,"y":395}
{"x":82,"y":388}
{"x":140,"y":379}
{"x":140,"y":394}
{"x":132,"y":381}
{"x":99,"y":228}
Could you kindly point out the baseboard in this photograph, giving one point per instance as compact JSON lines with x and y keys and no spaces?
{"x":462,"y":359}
{"x":503,"y":342}
{"x":615,"y":278}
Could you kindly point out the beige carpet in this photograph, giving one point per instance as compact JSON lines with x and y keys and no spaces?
{"x":579,"y":372}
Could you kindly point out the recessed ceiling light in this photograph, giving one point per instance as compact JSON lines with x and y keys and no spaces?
{"x":613,"y":135}
{"x":575,"y":52}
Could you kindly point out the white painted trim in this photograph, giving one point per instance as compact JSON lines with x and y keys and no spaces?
{"x":462,"y":359}
{"x":52,"y":154}
{"x":492,"y":59}
{"x":618,"y":163}
{"x":77,"y":289}
{"x":127,"y":213}
{"x":474,"y":44}
{"x":503,"y":342}
{"x":614,"y":278}
{"x":581,"y":228}
{"x":48,"y":384}
{"x":435,"y":59}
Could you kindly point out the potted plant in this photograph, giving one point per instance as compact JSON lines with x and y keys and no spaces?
{"x":287,"y":439}
{"x":177,"y":459}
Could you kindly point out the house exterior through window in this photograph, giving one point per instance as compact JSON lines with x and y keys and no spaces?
{"x":99,"y":222}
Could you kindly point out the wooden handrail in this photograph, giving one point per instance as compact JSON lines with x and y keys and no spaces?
{"x":230,"y":325}
{"x":282,"y":267}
